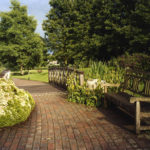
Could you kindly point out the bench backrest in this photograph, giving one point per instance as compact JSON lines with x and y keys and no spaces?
{"x":137,"y":82}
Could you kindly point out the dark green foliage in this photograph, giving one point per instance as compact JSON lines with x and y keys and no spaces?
{"x":120,"y":26}
{"x":97,"y":29}
{"x":20,"y":47}
{"x":67,"y":29}
{"x":45,"y":52}
{"x":136,"y":61}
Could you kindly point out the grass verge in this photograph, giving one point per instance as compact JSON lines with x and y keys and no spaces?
{"x":33,"y":75}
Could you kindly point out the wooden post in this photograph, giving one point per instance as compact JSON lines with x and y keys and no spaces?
{"x":60,"y":78}
{"x":63,"y":77}
{"x":105,"y":101}
{"x":138,"y":117}
{"x":49,"y":76}
{"x":55,"y":76}
{"x":52,"y":76}
{"x":81,"y":76}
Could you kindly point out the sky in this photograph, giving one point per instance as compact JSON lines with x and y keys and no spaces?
{"x":36,"y":8}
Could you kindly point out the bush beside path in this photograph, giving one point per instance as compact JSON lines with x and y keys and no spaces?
{"x":15,"y":104}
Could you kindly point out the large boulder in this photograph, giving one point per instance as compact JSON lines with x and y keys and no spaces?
{"x":15,"y":104}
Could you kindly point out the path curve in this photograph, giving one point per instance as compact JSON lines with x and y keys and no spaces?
{"x":56,"y":124}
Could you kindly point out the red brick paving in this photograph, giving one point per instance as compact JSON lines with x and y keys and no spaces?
{"x":56,"y":124}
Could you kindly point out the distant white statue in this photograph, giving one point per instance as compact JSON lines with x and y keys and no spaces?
{"x":93,"y":83}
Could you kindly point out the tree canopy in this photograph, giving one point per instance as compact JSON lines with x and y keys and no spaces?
{"x":97,"y":29}
{"x":20,"y":46}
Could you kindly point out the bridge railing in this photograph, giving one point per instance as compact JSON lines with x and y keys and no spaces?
{"x":59,"y":75}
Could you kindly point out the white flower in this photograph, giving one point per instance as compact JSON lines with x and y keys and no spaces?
{"x":23,"y":103}
{"x":2,"y":112}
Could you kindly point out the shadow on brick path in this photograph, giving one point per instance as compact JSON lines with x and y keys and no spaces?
{"x":56,"y":124}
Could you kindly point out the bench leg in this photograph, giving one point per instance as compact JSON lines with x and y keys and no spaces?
{"x":105,"y":100}
{"x":138,"y":119}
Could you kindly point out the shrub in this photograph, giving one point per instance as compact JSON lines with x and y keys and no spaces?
{"x":81,"y":94}
{"x":15,"y":104}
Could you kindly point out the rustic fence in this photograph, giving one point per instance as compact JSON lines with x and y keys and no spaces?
{"x":58,"y":76}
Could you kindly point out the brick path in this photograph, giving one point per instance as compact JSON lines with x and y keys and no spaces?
{"x":56,"y":124}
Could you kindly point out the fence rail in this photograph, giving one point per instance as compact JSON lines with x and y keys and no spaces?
{"x":59,"y":75}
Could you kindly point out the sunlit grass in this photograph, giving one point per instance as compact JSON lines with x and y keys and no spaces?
{"x":33,"y":75}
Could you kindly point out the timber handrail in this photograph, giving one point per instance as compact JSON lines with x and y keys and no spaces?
{"x":106,"y":85}
{"x":141,"y":99}
{"x":59,"y":75}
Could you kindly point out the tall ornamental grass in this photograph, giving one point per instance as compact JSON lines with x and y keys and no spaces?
{"x":110,"y":72}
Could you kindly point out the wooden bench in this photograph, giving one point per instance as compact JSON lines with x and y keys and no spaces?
{"x":133,"y":97}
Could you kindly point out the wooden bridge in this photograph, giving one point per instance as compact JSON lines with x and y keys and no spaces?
{"x":59,"y":75}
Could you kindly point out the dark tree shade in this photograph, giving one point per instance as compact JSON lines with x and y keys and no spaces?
{"x":97,"y":29}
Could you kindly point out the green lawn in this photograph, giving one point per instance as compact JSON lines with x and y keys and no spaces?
{"x":34,"y":75}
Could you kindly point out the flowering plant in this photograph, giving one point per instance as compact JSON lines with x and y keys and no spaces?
{"x":15,"y":104}
{"x":82,"y":94}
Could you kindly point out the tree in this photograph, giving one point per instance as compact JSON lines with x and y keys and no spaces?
{"x":138,"y":29}
{"x":45,"y":51}
{"x":97,"y":29}
{"x":67,"y":29}
{"x":120,"y":26}
{"x":20,"y":46}
{"x":55,"y":29}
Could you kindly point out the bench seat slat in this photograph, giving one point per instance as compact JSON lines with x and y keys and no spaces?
{"x":121,"y":100}
{"x":145,"y":128}
{"x":145,"y":114}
